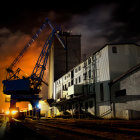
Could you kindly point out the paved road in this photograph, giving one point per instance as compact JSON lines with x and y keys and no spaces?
{"x":85,"y":129}
{"x":61,"y":129}
{"x":14,"y":130}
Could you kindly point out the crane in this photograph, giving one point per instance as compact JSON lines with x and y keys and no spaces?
{"x":14,"y":85}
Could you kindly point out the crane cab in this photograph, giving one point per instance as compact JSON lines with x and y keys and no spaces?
{"x":18,"y":86}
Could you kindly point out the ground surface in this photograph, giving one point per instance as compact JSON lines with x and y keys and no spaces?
{"x":65,"y":129}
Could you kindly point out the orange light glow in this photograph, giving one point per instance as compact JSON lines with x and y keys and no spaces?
{"x":14,"y":112}
{"x":7,"y":112}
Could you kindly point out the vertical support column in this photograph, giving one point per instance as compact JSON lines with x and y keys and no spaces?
{"x":12,"y":103}
{"x":51,"y":76}
{"x":51,"y":72}
{"x":36,"y":110}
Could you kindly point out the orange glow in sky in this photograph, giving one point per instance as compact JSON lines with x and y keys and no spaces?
{"x":13,"y":45}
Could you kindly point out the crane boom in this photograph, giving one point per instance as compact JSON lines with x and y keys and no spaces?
{"x":20,"y":55}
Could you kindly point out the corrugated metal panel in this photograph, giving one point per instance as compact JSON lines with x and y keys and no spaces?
{"x":103,"y":65}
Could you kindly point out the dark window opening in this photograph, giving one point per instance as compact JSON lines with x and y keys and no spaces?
{"x":84,"y":76}
{"x":101,"y":92}
{"x":76,"y":81}
{"x":114,"y":50}
{"x":71,"y":82}
{"x":72,"y":74}
{"x":86,"y":105}
{"x":89,"y":60}
{"x":58,"y":95}
{"x":120,"y":93}
{"x":90,"y":104}
{"x":63,"y":87}
{"x":79,"y":79}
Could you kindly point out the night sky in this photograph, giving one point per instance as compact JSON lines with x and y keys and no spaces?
{"x":99,"y":23}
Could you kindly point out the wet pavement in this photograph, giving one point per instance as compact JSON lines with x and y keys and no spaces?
{"x":68,"y":129}
{"x":13,"y":130}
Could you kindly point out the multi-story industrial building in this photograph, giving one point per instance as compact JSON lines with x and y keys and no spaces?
{"x":85,"y":89}
{"x":61,"y":60}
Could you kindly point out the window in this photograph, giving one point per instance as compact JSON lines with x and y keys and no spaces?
{"x":120,"y":93}
{"x":86,"y":105}
{"x":114,"y":50}
{"x":63,"y":87}
{"x":89,"y":60}
{"x":90,"y":104}
{"x":72,"y":74}
{"x":75,"y":70}
{"x":84,"y":76}
{"x":79,"y":79}
{"x":101,"y":92}
{"x":71,"y":82}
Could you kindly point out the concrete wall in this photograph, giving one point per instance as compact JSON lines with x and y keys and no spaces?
{"x":128,"y":106}
{"x":126,"y":57}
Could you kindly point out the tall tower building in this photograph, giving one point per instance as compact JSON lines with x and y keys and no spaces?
{"x":66,"y":59}
{"x":61,"y":60}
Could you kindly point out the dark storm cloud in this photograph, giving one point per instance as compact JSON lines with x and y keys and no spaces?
{"x":99,"y":23}
{"x":106,"y":24}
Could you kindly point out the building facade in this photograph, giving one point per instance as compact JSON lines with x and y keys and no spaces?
{"x":85,"y":89}
{"x":125,"y":94}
